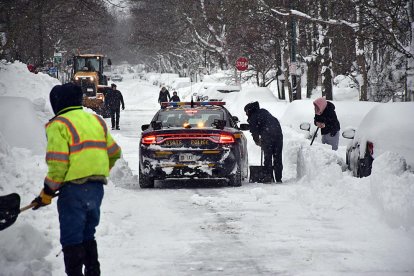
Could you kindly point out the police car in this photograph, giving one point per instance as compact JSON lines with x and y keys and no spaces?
{"x":192,"y":140}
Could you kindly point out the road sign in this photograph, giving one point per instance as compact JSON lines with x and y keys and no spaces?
{"x":52,"y":70}
{"x":57,"y":58}
{"x":242,"y":63}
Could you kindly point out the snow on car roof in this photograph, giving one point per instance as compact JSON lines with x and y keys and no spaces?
{"x":390,"y":127}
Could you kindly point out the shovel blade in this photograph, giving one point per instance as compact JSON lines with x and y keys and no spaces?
{"x":257,"y":174}
{"x":9,"y":210}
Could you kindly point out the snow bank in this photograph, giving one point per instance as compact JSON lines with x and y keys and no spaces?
{"x":17,"y":118}
{"x":17,"y":81}
{"x":393,"y":190}
{"x":122,"y":176}
{"x":24,"y":109}
{"x":319,"y":161}
{"x":24,"y":245}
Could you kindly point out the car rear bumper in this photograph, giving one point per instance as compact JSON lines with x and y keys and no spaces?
{"x":221,"y":166}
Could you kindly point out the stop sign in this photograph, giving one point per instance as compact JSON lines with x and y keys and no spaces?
{"x":242,"y":63}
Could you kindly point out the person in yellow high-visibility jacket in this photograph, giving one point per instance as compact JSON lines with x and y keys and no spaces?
{"x":80,"y":154}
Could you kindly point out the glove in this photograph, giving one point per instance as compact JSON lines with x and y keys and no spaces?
{"x":258,"y":142}
{"x":123,"y":107}
{"x":45,"y":198}
{"x":320,"y":125}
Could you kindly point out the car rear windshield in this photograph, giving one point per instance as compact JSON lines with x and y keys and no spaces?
{"x":194,"y":118}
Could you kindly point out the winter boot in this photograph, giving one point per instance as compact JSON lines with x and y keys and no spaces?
{"x":74,"y":256}
{"x":92,"y":266}
{"x":117,"y":127}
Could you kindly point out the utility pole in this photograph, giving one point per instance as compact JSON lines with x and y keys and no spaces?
{"x":293,"y":53}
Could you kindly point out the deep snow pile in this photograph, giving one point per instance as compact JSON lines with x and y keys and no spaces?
{"x":28,"y":243}
{"x":315,"y":177}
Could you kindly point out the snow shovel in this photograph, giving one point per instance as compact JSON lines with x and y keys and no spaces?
{"x":10,"y":209}
{"x":257,"y":174}
{"x":314,"y":135}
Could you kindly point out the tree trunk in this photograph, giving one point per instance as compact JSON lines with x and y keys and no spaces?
{"x":298,"y":87}
{"x":326,"y":54}
{"x":40,"y":33}
{"x":360,"y":58}
{"x":409,"y":93}
{"x":286,"y":58}
{"x":312,"y":76}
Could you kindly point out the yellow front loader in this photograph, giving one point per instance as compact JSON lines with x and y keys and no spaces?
{"x":88,"y":74}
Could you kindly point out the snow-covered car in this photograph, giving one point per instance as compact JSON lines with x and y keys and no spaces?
{"x":188,"y":140}
{"x":387,"y":127}
{"x":116,"y":78}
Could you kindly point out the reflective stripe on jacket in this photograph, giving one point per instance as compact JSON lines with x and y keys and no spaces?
{"x":78,"y":145}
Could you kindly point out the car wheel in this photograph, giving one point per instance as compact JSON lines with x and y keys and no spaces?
{"x":145,"y":182}
{"x":235,"y":180}
{"x":365,"y":166}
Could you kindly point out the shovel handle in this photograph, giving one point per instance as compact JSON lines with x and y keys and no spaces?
{"x":314,"y":135}
{"x":30,"y":206}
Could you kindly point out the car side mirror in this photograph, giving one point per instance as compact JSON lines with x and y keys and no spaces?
{"x":220,"y":124}
{"x":156,"y":125}
{"x":305,"y":126}
{"x":235,"y":119}
{"x":109,"y":62}
{"x":348,"y":133}
{"x":244,"y":127}
{"x":145,"y":127}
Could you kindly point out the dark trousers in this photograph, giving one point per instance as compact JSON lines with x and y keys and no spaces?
{"x":79,"y":214}
{"x":79,"y":211}
{"x":115,"y":117}
{"x":272,"y":154}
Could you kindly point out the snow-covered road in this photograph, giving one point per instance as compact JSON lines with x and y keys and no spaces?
{"x":288,"y":229}
{"x":320,"y":221}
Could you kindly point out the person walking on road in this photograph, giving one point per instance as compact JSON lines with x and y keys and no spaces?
{"x":80,"y":153}
{"x":175,"y":97}
{"x":267,"y":134}
{"x":164,"y":95}
{"x":326,"y":119}
{"x":113,"y":101}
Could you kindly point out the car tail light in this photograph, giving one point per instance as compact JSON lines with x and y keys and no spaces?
{"x":370,"y":148}
{"x":226,"y":139}
{"x":150,"y":139}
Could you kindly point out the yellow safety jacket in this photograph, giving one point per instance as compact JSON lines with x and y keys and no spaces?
{"x":78,"y":146}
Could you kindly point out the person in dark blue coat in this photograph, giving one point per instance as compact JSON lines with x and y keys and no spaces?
{"x":267,"y":134}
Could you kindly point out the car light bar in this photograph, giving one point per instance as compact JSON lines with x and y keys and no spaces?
{"x":176,"y":104}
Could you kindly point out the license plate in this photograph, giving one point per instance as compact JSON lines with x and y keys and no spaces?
{"x":199,"y":142}
{"x":187,"y":157}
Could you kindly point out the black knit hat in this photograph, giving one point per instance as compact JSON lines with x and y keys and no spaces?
{"x":65,"y":95}
{"x":250,"y":108}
